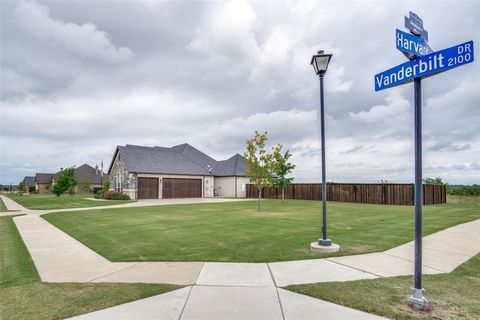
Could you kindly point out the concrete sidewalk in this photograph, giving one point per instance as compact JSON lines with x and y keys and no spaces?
{"x":12,"y":205}
{"x":234,"y":290}
{"x":442,"y":252}
{"x":60,"y":258}
{"x":233,"y":303}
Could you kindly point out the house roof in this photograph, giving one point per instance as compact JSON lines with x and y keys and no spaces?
{"x":180,"y":159}
{"x":29,"y":181}
{"x":45,"y":177}
{"x":90,"y":174}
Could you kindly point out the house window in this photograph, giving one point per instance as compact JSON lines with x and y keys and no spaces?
{"x":118,"y":182}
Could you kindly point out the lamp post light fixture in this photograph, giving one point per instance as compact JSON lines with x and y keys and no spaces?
{"x":320,"y":63}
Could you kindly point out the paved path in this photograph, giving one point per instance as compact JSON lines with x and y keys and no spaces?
{"x":12,"y":205}
{"x":234,"y":290}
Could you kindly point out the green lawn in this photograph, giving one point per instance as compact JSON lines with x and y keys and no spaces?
{"x":51,"y":201}
{"x":3,"y":208}
{"x":235,"y":231}
{"x":455,"y":295}
{"x":23,"y":296}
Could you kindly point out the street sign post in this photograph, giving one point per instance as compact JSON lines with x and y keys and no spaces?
{"x":423,"y":63}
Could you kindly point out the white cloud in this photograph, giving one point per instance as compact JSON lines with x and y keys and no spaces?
{"x":84,"y":39}
{"x":210,"y":73}
{"x":397,"y":108}
{"x":227,"y":32}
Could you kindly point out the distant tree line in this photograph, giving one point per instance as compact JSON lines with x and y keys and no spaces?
{"x":455,"y":190}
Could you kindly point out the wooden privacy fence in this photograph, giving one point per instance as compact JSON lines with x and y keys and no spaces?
{"x":374,"y":193}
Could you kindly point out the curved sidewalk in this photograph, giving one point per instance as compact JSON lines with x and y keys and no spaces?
{"x":55,"y":253}
{"x":234,"y":290}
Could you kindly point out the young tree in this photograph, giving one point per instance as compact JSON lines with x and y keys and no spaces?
{"x":22,"y":186}
{"x":259,"y":163}
{"x":66,"y":181}
{"x":281,"y":168}
{"x":83,"y":185}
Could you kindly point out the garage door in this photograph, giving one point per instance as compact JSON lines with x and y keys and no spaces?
{"x":147,"y":188}
{"x":181,"y":188}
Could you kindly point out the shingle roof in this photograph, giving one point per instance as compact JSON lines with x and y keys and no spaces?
{"x":92,"y":175}
{"x":29,"y":181}
{"x":234,"y":166}
{"x":45,"y":177}
{"x":180,"y":159}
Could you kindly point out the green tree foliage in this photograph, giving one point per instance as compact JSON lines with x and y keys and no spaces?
{"x":22,"y":186}
{"x":259,"y":162}
{"x":455,"y":190}
{"x":281,"y":168}
{"x":473,"y":190}
{"x":436,"y":181}
{"x":106,"y":185}
{"x":66,"y":182}
{"x":83,"y":186}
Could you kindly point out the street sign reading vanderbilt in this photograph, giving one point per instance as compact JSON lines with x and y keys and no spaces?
{"x":425,"y":66}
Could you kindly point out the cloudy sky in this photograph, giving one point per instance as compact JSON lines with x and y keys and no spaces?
{"x":80,"y":77}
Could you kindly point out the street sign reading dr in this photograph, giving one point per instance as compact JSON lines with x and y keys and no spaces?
{"x":425,"y":66}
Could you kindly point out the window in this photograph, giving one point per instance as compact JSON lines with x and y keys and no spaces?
{"x":118,"y":182}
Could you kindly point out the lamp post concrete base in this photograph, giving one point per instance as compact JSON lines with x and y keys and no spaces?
{"x":417,"y":300}
{"x":316,"y":247}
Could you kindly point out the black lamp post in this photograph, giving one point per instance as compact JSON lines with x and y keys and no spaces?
{"x":320,"y":64}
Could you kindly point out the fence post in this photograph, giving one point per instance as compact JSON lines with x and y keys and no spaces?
{"x":383,"y":193}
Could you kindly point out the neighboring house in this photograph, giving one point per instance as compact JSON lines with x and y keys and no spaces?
{"x":44,"y":182}
{"x":93,"y":176}
{"x":30,"y":183}
{"x":178,"y":172}
{"x":85,"y":174}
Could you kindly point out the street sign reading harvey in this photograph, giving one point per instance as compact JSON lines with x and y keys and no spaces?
{"x":425,"y":66}
{"x":411,"y":45}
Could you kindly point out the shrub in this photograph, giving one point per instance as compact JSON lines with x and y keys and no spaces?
{"x":473,"y":190}
{"x":99,"y":195}
{"x":114,"y":195}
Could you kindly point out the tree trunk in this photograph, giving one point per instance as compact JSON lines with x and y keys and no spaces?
{"x":283,"y":194}
{"x":259,"y":197}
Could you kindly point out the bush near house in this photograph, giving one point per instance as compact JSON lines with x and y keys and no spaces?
{"x":114,"y":195}
{"x":111,"y":195}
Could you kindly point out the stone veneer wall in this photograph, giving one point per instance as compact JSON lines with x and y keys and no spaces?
{"x":129,"y":181}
